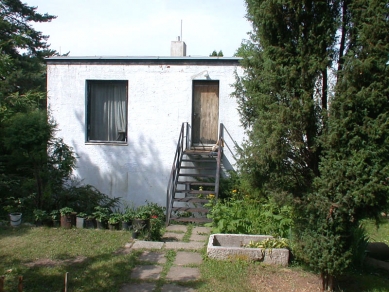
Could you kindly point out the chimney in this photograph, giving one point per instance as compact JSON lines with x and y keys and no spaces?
{"x":178,"y":48}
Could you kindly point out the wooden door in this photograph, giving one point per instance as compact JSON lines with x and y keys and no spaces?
{"x":205,"y":115}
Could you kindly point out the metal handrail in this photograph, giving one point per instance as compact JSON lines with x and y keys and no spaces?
{"x":172,"y":185}
{"x":218,"y":161}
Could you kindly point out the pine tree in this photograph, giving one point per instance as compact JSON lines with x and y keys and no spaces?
{"x":24,"y":47}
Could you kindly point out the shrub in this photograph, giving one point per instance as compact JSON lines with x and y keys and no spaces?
{"x":251,"y":216}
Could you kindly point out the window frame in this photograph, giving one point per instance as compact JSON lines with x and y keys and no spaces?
{"x":88,"y":102}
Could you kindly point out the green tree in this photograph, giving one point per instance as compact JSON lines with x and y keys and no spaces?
{"x":23,"y":46}
{"x":353,"y":182}
{"x":37,"y":159}
{"x":33,"y":163}
{"x":216,"y":54}
{"x":283,"y":94}
{"x":328,"y":162}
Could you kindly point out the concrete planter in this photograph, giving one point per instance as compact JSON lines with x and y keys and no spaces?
{"x":227,"y":246}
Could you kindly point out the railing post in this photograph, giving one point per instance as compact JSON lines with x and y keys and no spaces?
{"x":172,"y":185}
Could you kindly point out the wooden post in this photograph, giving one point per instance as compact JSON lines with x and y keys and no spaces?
{"x":20,"y":285}
{"x":2,"y":283}
{"x":66,"y":282}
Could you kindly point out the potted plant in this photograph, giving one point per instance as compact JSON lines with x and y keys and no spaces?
{"x":90,"y":222}
{"x":141,"y":218}
{"x":55,"y":218}
{"x":13,"y":206}
{"x":40,"y":216}
{"x":114,"y":220}
{"x":137,"y":228}
{"x":68,"y":217}
{"x":101,"y":215}
{"x":80,"y":220}
{"x":127,"y":218}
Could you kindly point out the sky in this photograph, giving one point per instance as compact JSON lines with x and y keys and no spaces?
{"x":143,"y":27}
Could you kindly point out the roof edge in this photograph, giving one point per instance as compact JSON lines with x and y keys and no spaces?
{"x":142,"y":60}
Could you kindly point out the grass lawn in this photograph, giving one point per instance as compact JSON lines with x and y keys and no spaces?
{"x":93,"y":258}
{"x":96,"y":261}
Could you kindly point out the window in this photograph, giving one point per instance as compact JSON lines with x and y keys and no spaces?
{"x":107,"y":111}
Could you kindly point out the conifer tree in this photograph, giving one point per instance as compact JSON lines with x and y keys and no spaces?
{"x":24,"y":47}
{"x":318,"y":141}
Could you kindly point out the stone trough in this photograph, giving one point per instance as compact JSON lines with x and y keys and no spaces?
{"x":227,"y":246}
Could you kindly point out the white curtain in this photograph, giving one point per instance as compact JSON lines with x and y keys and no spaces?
{"x":108,"y":120}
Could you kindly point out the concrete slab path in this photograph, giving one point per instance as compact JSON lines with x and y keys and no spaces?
{"x":162,"y":266}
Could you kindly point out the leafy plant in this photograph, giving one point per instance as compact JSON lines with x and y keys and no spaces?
{"x":142,"y":213}
{"x":115,"y":218}
{"x":54,"y":215}
{"x":81,"y":215}
{"x":40,"y":215}
{"x":269,"y":243}
{"x":129,"y":215}
{"x":66,"y":211}
{"x":101,"y":213}
{"x":12,"y":204}
{"x":250,"y":216}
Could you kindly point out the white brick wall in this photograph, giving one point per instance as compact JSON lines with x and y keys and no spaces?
{"x":159,"y":101}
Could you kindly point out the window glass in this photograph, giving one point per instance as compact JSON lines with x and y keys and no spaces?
{"x":107,"y":111}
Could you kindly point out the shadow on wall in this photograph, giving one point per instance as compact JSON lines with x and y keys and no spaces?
{"x":133,"y":172}
{"x":230,"y":149}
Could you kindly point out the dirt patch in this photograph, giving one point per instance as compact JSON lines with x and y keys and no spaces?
{"x":272,"y":279}
{"x":53,"y":263}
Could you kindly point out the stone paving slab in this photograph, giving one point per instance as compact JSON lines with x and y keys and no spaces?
{"x":184,"y":245}
{"x":146,"y":272}
{"x":139,"y":244}
{"x":140,"y":287}
{"x":176,"y":228}
{"x":183,"y":274}
{"x":196,"y":237}
{"x":153,"y":257}
{"x":184,"y":258}
{"x":201,"y":230}
{"x":172,"y":236}
{"x":175,"y":288}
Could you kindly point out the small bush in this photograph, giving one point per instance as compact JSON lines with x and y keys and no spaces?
{"x":251,"y":216}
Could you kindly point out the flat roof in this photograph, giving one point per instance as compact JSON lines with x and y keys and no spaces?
{"x":150,"y":60}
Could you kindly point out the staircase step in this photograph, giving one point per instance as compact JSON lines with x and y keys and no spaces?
{"x":208,"y":160}
{"x":197,"y":175}
{"x":196,"y":183}
{"x":195,"y":192}
{"x":198,"y":168}
{"x":190,"y":200}
{"x":188,"y":209}
{"x":198,"y":151}
{"x":191,"y":219}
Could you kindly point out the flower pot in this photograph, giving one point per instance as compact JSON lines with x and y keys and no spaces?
{"x":15,"y":219}
{"x":134,"y":234}
{"x":66,"y":221}
{"x":114,"y":226}
{"x":101,"y":225}
{"x":80,"y":222}
{"x":126,"y":225}
{"x":90,"y":223}
{"x":56,"y":223}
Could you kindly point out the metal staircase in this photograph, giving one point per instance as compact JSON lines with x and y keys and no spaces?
{"x":194,"y":180}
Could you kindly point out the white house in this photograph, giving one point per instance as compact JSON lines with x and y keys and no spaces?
{"x":123,"y":115}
